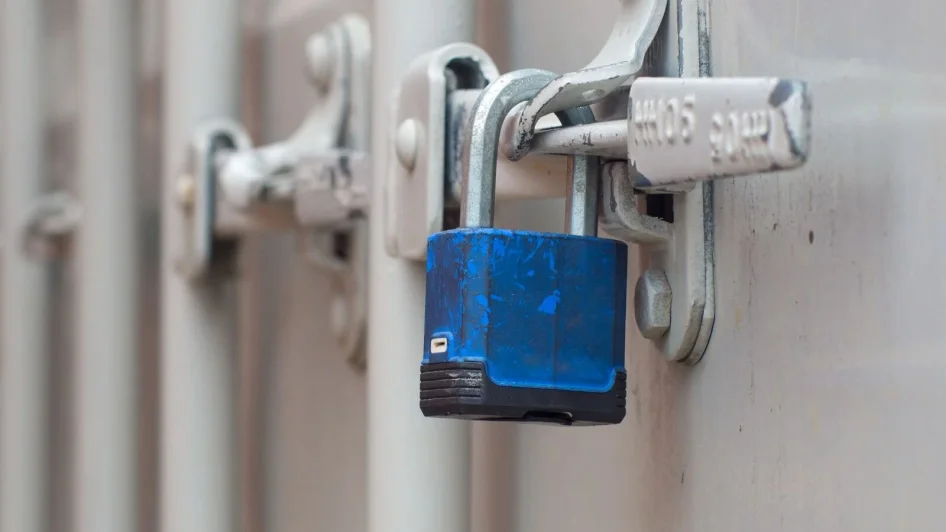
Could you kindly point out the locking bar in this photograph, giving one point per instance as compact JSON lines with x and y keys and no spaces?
{"x":603,"y":139}
{"x":691,"y":129}
{"x":275,"y":188}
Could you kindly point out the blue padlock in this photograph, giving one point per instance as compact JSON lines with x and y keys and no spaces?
{"x":521,"y":325}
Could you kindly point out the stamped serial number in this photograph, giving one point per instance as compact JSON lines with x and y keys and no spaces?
{"x":664,"y":120}
{"x":734,"y":136}
{"x":741,"y":136}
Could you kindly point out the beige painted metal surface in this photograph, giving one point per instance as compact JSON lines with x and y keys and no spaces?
{"x":816,"y":406}
{"x":105,"y":398}
{"x":27,"y":295}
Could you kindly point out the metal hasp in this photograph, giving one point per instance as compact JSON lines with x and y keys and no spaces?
{"x":315,"y":183}
{"x":519,"y":325}
{"x":681,"y":250}
{"x":678,"y":250}
{"x":683,"y":132}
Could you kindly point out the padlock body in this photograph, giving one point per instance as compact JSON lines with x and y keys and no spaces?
{"x":524,"y":326}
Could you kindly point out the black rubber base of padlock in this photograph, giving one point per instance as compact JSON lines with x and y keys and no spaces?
{"x":462,"y":390}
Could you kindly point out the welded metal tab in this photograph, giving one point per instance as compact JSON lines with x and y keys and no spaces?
{"x":684,"y":130}
{"x":619,"y":214}
{"x":678,"y":249}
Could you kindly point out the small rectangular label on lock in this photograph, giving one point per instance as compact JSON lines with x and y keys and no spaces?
{"x":438,"y":345}
{"x":684,"y":130}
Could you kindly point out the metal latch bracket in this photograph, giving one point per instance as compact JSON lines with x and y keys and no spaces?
{"x":415,"y":187}
{"x":315,"y":182}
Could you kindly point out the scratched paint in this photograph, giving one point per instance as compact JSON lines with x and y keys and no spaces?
{"x":540,"y":309}
{"x":550,"y":303}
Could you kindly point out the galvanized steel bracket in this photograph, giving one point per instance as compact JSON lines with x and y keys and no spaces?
{"x":681,"y":251}
{"x":422,"y":130}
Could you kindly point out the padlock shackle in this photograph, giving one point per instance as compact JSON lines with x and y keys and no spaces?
{"x":581,"y":195}
{"x":481,"y":154}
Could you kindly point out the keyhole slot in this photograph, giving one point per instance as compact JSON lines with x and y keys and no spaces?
{"x":438,"y":345}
